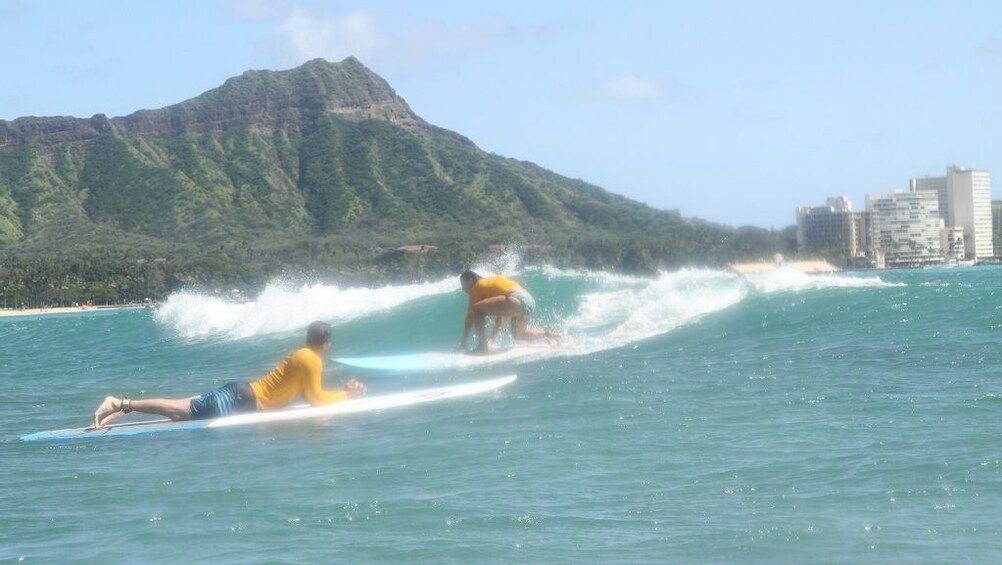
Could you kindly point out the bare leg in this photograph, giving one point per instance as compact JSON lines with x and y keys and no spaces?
{"x":522,"y":331}
{"x":507,"y":306}
{"x":511,"y":307}
{"x":173,"y":408}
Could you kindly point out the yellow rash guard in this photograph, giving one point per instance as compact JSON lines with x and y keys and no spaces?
{"x":489,"y":287}
{"x":299,"y":374}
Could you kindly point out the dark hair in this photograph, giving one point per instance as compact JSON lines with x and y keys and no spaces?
{"x":318,"y":333}
{"x":469,"y":275}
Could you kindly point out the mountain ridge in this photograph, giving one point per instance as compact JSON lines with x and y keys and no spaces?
{"x":320,"y":164}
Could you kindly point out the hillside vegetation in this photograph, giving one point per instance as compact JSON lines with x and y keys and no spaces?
{"x":322,"y":169}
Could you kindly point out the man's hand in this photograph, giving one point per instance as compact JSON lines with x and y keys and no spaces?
{"x":355,"y":388}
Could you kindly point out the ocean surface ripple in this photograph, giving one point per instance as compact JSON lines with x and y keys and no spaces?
{"x":697,"y":416}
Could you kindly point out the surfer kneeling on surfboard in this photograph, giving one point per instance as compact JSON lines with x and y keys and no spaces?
{"x":499,"y":297}
{"x":300,"y":374}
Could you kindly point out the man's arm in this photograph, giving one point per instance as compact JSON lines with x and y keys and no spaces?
{"x":498,"y":324}
{"x":313,"y":389}
{"x":467,"y":326}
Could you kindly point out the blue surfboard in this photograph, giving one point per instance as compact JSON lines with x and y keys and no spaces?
{"x":441,"y":360}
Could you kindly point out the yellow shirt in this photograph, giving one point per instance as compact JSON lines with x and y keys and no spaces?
{"x":299,"y":374}
{"x":489,"y":287}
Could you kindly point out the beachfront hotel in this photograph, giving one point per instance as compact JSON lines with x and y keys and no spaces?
{"x":965,"y":201}
{"x":939,"y":219}
{"x":906,"y":229}
{"x":832,"y":231}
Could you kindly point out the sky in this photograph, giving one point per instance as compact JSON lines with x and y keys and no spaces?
{"x":735,"y":112}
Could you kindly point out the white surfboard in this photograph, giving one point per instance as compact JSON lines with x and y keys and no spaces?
{"x":440,"y":360}
{"x":300,"y":412}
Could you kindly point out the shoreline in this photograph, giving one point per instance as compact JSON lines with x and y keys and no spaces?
{"x":12,"y":312}
{"x":809,"y":267}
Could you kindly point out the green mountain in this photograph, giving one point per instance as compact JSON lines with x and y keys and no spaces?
{"x":321,"y":165}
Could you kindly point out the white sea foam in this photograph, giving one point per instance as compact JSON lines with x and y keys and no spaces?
{"x":609,"y":277}
{"x":624,"y":309}
{"x":791,"y":280}
{"x":507,"y":261}
{"x":285,"y":307}
{"x":281,"y":308}
{"x":644,"y":307}
{"x":613,"y":310}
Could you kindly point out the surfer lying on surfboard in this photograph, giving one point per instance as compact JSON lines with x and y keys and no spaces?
{"x":300,"y":374}
{"x":499,"y":297}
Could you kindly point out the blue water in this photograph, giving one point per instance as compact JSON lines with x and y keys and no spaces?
{"x":695,"y":417}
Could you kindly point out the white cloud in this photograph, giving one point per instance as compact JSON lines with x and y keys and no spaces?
{"x":309,"y":36}
{"x":634,"y":87}
{"x":990,"y":52}
{"x":11,"y":10}
{"x":304,"y":33}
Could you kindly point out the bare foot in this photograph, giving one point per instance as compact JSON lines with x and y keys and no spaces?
{"x":553,"y":338}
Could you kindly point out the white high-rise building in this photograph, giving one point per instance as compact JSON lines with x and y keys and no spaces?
{"x":937,"y":185}
{"x":832,"y":231}
{"x":907,"y":229}
{"x":971,"y":208}
{"x":965,"y":202}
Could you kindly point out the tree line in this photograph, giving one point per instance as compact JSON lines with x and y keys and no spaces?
{"x":102,"y":278}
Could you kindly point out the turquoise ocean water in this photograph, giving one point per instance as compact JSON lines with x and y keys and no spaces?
{"x":694,"y":417}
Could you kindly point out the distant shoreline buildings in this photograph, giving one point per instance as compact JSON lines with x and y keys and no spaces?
{"x":941,"y":220}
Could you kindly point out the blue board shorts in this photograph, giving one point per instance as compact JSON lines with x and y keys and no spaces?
{"x":528,"y":302}
{"x":230,"y":398}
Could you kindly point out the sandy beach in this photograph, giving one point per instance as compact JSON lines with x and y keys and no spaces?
{"x":809,"y":266}
{"x":12,"y":312}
